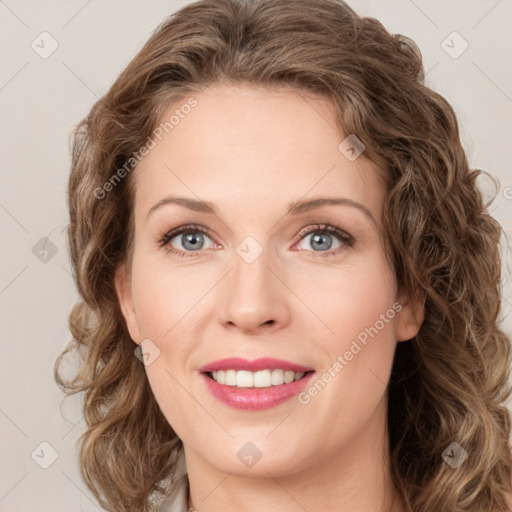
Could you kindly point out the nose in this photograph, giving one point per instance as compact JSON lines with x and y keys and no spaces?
{"x":254,"y":298}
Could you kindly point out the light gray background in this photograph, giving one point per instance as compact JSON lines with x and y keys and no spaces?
{"x":42,"y":99}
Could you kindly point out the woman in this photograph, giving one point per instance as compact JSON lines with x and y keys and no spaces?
{"x":290,"y":282}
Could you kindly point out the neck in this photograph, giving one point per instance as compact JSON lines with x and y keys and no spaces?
{"x":356,"y":478}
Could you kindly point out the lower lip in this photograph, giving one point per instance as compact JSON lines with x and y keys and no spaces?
{"x":255,"y":399}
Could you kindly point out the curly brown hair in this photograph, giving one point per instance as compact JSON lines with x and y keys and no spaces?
{"x":448,"y":384}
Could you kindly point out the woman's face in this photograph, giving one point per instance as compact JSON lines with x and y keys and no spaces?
{"x":263,"y":281}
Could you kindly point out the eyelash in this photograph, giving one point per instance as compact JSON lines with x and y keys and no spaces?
{"x":344,"y":237}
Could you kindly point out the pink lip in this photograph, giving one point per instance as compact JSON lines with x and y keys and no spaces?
{"x":255,"y":399}
{"x":264,"y":363}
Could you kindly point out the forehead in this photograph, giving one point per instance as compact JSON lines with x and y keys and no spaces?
{"x":260,"y":146}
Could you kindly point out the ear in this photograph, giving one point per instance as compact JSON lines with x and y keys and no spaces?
{"x":124,"y":295}
{"x":411,"y":315}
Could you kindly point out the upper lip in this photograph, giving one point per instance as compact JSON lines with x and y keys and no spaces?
{"x":264,"y":363}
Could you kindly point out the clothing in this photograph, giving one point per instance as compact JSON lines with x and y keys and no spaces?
{"x":177,"y":501}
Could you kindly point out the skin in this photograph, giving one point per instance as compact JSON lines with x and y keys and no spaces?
{"x":251,"y":152}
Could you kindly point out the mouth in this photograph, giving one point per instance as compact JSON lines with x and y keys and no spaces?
{"x":254,"y":385}
{"x":255,"y":391}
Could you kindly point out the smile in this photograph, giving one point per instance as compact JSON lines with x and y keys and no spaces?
{"x":255,"y":398}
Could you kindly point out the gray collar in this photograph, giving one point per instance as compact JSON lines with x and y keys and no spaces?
{"x":177,"y":500}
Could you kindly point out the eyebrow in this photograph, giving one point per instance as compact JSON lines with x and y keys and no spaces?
{"x":295,"y":208}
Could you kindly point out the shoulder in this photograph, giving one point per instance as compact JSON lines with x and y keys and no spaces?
{"x":508,"y":496}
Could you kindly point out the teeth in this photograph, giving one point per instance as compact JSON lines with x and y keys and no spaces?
{"x":260,"y":379}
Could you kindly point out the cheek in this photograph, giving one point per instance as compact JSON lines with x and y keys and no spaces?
{"x":171,"y":395}
{"x":164,"y":296}
{"x":163,"y":299}
{"x":351,"y":299}
{"x":357,"y":306}
{"x":358,"y":357}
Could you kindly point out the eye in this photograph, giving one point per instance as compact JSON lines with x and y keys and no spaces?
{"x":190,"y":239}
{"x":321,"y":239}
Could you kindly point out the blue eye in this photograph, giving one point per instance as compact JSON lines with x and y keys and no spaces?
{"x":191,"y":238}
{"x":321,"y":236}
